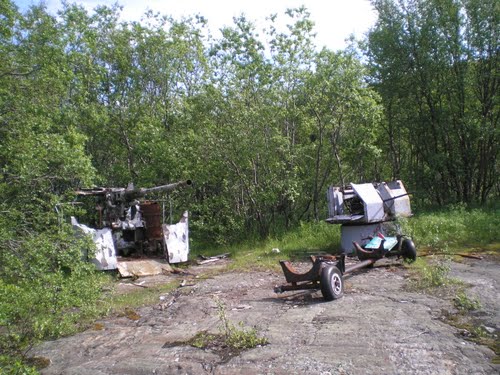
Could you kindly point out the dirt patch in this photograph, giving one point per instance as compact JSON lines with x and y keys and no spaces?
{"x":378,"y":327}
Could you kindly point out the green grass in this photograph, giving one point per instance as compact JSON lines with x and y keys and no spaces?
{"x":455,"y":229}
{"x":306,"y":239}
{"x":451,"y":230}
{"x":237,"y":337}
{"x":120,"y":303}
{"x":231,"y":339}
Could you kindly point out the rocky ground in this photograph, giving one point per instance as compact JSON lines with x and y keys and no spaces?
{"x":378,"y":327}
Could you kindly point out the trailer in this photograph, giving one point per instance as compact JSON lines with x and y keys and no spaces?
{"x":328,"y":271}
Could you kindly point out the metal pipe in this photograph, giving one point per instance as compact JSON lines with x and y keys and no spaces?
{"x":396,"y":197}
{"x":357,"y":266}
{"x":291,"y":288}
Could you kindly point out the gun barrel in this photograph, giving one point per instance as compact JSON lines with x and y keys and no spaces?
{"x":162,"y":188}
{"x":95,"y":191}
{"x":131,"y":194}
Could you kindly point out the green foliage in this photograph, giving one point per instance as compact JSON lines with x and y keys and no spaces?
{"x":452,"y":230}
{"x":244,"y":338}
{"x":87,"y":99}
{"x":14,"y":366}
{"x":434,"y":64}
{"x":46,"y":288}
{"x":311,"y":236}
{"x":231,"y":340}
{"x":202,"y":340}
{"x":296,"y":243}
{"x":447,"y":231}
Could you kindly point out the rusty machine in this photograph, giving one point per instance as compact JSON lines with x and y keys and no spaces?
{"x":366,"y":213}
{"x":127,"y":225}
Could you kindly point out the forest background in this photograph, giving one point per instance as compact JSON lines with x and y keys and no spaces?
{"x":261,"y":120}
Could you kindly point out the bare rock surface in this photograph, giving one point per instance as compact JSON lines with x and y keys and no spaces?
{"x":378,"y":327}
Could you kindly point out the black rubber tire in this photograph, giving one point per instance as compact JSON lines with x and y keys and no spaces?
{"x":332,"y":283}
{"x":408,"y":250}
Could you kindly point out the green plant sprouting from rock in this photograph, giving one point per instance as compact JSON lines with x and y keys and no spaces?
{"x":237,"y":337}
{"x":428,"y":275}
{"x":465,"y":303}
{"x":231,"y":339}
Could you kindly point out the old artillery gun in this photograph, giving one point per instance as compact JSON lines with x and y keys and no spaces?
{"x":364,"y":211}
{"x":128,"y":225}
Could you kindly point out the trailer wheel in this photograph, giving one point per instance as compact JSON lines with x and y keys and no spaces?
{"x":408,"y":250}
{"x":332,"y":283}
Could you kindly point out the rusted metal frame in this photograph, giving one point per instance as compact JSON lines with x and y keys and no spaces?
{"x":314,"y":274}
{"x":303,"y":286}
{"x":373,"y":254}
{"x":311,"y":278}
{"x":292,"y":276}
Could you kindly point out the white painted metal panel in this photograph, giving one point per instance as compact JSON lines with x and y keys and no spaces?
{"x":373,"y":204}
{"x":401,"y":206}
{"x":335,"y":201}
{"x":396,"y":199}
{"x":387,"y":197}
{"x":105,"y":256}
{"x":176,"y":238}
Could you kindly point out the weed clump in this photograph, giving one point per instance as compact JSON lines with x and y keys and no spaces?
{"x":231,"y":340}
{"x":237,"y":337}
{"x":203,"y":340}
{"x":425,"y":275}
{"x":465,"y":303}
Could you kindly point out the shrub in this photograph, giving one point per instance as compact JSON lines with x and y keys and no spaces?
{"x":47,"y":289}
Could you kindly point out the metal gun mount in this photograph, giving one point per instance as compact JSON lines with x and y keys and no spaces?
{"x":129,"y":226}
{"x":363,"y":210}
{"x":368,"y":203}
